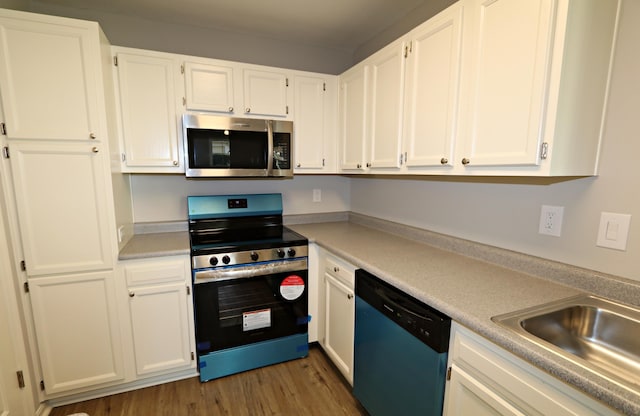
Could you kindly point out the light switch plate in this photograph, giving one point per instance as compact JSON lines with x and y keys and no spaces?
{"x":614,"y":230}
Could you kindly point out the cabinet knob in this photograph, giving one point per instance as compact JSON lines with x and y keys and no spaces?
{"x":368,"y":165}
{"x":231,"y":109}
{"x":349,"y":296}
{"x":465,"y":161}
{"x":336,"y":269}
{"x":444,"y":161}
{"x":247,"y":110}
{"x":175,"y":163}
{"x":92,"y":136}
{"x":131,"y":294}
{"x":94,"y":149}
{"x":358,"y":166}
{"x":298,"y":165}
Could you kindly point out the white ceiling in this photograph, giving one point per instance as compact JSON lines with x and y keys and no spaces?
{"x":343,"y":24}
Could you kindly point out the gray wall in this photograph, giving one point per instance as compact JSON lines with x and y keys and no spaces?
{"x":507,"y":214}
{"x":146,"y":34}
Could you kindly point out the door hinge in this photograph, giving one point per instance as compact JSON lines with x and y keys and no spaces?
{"x":287,"y":109}
{"x":188,"y":290}
{"x":184,"y":101}
{"x":26,"y":287}
{"x":400,"y":159}
{"x":286,"y":82}
{"x":448,"y":373}
{"x":544,"y":150}
{"x":193,"y":356}
{"x":324,"y":86}
{"x":42,"y":385}
{"x":115,"y":60}
{"x":3,"y":129}
{"x":23,"y":266}
{"x":20,"y":379}
{"x":124,"y":157}
{"x":182,"y":69}
{"x":322,"y":162}
{"x":5,"y":152}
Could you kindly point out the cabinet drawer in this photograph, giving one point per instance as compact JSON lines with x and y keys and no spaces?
{"x":523,"y":386}
{"x":147,"y":271}
{"x":340,"y":269}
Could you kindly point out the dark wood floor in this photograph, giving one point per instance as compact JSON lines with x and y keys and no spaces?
{"x":310,"y":386}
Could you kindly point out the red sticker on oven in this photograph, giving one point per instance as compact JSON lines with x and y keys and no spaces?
{"x":292,"y":287}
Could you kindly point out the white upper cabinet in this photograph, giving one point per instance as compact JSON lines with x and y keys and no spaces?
{"x":386,"y":99}
{"x":62,"y":201}
{"x":265,"y":92}
{"x":353,"y":118}
{"x":150,"y":91}
{"x":49,"y":77}
{"x":432,"y":90}
{"x":314,"y":123}
{"x":534,"y":94}
{"x":209,"y":87}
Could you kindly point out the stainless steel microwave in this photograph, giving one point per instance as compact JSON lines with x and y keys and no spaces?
{"x":218,"y":146}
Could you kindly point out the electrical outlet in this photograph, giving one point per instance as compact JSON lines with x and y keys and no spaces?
{"x":551,"y":220}
{"x":317,"y":195}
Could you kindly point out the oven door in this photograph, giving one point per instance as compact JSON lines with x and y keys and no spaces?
{"x":242,"y":305}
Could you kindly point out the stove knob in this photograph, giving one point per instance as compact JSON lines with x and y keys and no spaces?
{"x":213,"y":260}
{"x":226,"y":259}
{"x":280,"y":252}
{"x":291,"y":252}
{"x":254,"y":256}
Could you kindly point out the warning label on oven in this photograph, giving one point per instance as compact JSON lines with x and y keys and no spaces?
{"x":256,"y":319}
{"x":292,"y":287}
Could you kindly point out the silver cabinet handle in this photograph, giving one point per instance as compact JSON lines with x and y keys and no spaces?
{"x":231,"y":109}
{"x":298,"y":165}
{"x":349,"y":296}
{"x":358,"y":166}
{"x":131,"y":294}
{"x":92,"y":136}
{"x":175,"y":163}
{"x":247,"y":110}
{"x":444,"y":161}
{"x":368,"y":164}
{"x":465,"y":161}
{"x":336,"y":269}
{"x":94,"y":149}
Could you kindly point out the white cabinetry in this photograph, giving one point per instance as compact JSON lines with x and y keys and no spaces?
{"x":353,"y":118}
{"x":209,"y":87}
{"x":150,"y":91}
{"x":77,"y":329}
{"x":315,"y":111}
{"x":487,"y":380}
{"x":265,"y":92}
{"x":49,"y":75}
{"x":337,"y":331}
{"x":62,"y":199}
{"x":161,"y":314}
{"x":53,"y":90}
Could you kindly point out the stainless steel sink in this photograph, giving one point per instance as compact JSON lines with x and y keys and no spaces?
{"x":597,"y":334}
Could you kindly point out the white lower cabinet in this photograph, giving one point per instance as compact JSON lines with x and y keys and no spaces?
{"x":337,"y":331}
{"x":161,"y":314}
{"x":78,"y":332}
{"x":487,"y":380}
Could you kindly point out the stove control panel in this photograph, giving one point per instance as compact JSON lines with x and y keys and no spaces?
{"x":205,"y":261}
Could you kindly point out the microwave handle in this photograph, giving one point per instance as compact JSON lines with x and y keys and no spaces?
{"x":270,"y":148}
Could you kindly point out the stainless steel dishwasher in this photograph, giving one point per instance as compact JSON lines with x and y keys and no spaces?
{"x":400,"y":355}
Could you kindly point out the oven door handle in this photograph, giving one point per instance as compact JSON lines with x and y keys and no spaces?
{"x":253,"y":270}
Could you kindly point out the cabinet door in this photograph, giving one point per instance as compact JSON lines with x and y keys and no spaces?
{"x":508,"y":75}
{"x":166,"y":346}
{"x":353,"y":120}
{"x":467,"y":396}
{"x":61,"y":196}
{"x":78,"y":330}
{"x":432,"y":87}
{"x":209,"y":87}
{"x":339,"y":325}
{"x":49,"y":77}
{"x":148,"y":91}
{"x":265,"y":93}
{"x":311,"y":112}
{"x":387,"y":93}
